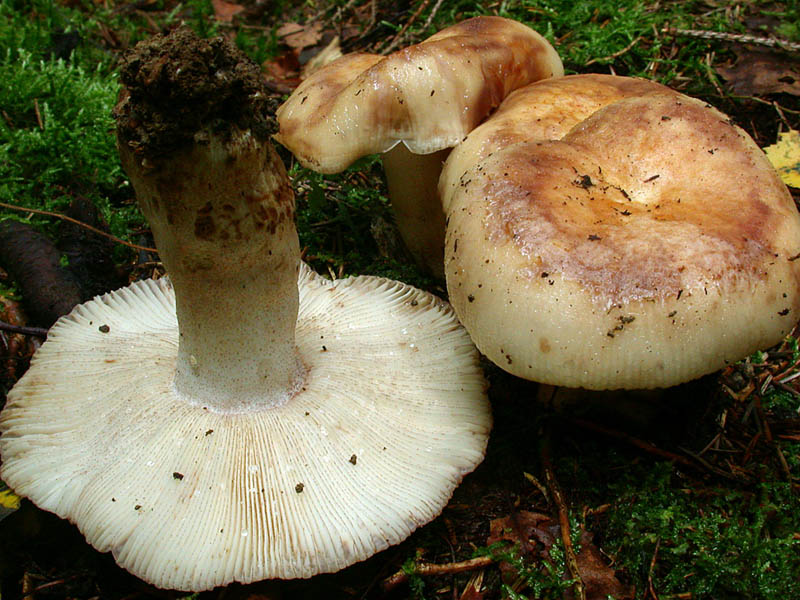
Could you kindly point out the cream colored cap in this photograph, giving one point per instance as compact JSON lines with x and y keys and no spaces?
{"x":389,"y":419}
{"x":546,"y":110}
{"x":649,"y":245}
{"x":429,"y":96}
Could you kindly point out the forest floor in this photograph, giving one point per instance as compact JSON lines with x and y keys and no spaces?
{"x":688,"y":493}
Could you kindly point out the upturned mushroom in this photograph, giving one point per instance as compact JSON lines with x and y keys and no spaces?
{"x":610,"y":233}
{"x":244,"y":418}
{"x":413,"y":105}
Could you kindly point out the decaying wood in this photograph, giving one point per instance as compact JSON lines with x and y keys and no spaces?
{"x":48,"y":289}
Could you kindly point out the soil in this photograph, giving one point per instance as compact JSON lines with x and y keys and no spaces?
{"x":178,"y":86}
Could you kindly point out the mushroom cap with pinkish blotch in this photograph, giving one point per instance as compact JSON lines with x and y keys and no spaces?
{"x":427,"y":96}
{"x":546,"y":110}
{"x":645,"y":244}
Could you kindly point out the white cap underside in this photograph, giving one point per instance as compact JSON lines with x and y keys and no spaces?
{"x":190,"y":499}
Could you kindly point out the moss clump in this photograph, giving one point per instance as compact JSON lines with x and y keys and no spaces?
{"x":714,"y":543}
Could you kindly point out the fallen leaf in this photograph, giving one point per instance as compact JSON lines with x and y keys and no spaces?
{"x":538,"y":532}
{"x":298,"y":36}
{"x":9,"y":501}
{"x":283,"y":72}
{"x":225,"y":11}
{"x":759,"y":72}
{"x":785,"y":157}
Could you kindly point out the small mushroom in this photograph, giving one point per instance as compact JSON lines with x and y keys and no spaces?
{"x":204,"y":438}
{"x":610,"y":233}
{"x":413,"y":105}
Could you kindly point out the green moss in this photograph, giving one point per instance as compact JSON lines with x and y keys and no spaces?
{"x":55,"y":134}
{"x":720,"y":543}
{"x":339,"y":218}
{"x":546,"y":579}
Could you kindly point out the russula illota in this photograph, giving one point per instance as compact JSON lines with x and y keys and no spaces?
{"x":611,"y":233}
{"x":413,"y":105}
{"x":241,"y":420}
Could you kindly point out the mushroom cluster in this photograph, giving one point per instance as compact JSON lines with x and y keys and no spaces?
{"x":413,"y":106}
{"x":607,"y":232}
{"x":244,"y":418}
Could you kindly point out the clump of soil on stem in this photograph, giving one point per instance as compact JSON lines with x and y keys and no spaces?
{"x":178,"y":86}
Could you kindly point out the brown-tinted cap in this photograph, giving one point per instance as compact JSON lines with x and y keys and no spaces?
{"x":428,"y":96}
{"x":650,"y":244}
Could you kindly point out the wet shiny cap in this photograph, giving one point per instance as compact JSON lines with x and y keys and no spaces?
{"x":427,"y":96}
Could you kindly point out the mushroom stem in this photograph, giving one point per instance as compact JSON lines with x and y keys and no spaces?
{"x":221,"y":212}
{"x":413,"y":181}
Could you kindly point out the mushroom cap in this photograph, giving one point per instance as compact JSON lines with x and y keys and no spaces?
{"x":650,"y":244}
{"x":391,"y":415}
{"x":428,"y":96}
{"x":545,"y":111}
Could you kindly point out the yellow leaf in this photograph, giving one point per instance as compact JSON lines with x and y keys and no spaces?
{"x":785,"y":157}
{"x":9,"y":499}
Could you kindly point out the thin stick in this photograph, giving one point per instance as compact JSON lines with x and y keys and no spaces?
{"x":650,"y":586}
{"x":538,"y":485}
{"x":616,"y":54}
{"x":563,"y":518}
{"x":641,"y":444}
{"x":431,"y":16}
{"x":396,"y":40}
{"x":38,"y":114}
{"x":47,"y":213}
{"x":740,"y":38}
{"x":35,"y":331}
{"x":425,"y":569}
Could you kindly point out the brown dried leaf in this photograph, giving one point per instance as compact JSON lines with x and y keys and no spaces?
{"x":522,"y":528}
{"x":225,"y":11}
{"x":15,"y":349}
{"x":760,"y":72}
{"x":283,"y":71}
{"x":599,"y":580}
{"x":298,"y":36}
{"x":527,"y":528}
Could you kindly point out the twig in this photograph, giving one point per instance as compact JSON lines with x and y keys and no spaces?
{"x":563,"y":518}
{"x":710,"y":73}
{"x":47,"y":213}
{"x":35,"y":331}
{"x":38,"y":114}
{"x":740,"y":38}
{"x":396,"y":39}
{"x":708,"y":465}
{"x":768,"y":103}
{"x":650,"y":586}
{"x":787,"y":388}
{"x":50,"y":584}
{"x":425,"y":569}
{"x":434,"y":10}
{"x":770,"y":440}
{"x":616,"y":54}
{"x":538,"y":485}
{"x":641,"y":444}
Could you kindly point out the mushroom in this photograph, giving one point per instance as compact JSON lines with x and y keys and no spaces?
{"x":641,"y":241}
{"x":244,"y":418}
{"x":413,"y":105}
